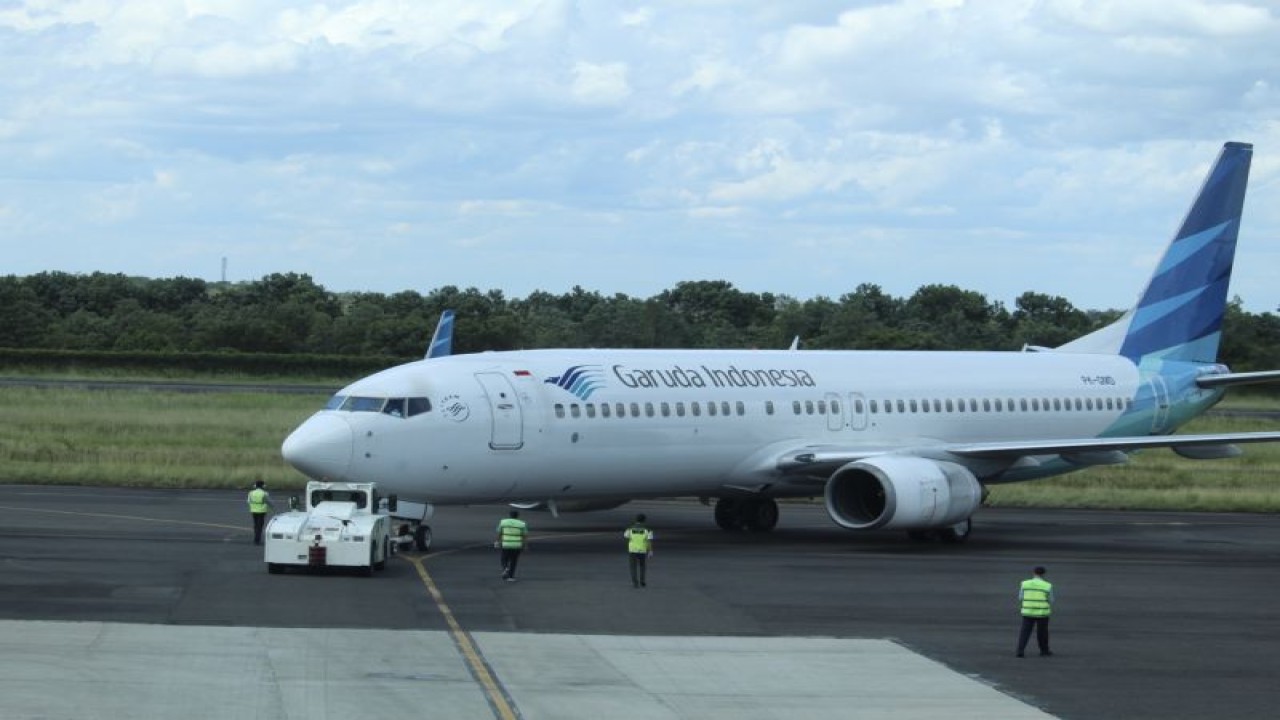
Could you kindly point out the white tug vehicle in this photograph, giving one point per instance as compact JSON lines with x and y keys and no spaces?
{"x":339,"y":528}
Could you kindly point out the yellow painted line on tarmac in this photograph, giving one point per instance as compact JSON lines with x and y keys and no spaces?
{"x":495,"y":694}
{"x":112,"y":516}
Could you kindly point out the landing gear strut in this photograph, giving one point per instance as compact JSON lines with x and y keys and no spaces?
{"x":753,"y":514}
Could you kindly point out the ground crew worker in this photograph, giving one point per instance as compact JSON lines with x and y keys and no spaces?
{"x":512,"y":532}
{"x":1035,"y":595}
{"x":639,"y":548}
{"x":259,"y":504}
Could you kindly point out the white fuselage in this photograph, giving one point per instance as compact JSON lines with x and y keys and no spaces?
{"x":573,"y":424}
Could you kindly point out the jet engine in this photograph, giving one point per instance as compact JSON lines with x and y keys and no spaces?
{"x":909,"y":493}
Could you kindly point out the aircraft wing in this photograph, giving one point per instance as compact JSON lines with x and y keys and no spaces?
{"x":1090,"y":451}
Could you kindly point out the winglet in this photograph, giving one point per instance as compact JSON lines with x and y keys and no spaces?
{"x":442,"y":341}
{"x":1179,"y":314}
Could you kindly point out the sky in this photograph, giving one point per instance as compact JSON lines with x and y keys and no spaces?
{"x":800,"y":148}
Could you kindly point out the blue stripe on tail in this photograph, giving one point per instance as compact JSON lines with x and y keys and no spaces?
{"x":1179,"y":316}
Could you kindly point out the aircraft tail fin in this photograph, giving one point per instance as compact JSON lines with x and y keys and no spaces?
{"x":442,"y":341}
{"x":1179,"y":314}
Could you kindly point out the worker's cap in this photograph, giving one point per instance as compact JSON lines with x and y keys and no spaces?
{"x":1039,"y":570}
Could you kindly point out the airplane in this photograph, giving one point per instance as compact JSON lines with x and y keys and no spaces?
{"x":904,"y":440}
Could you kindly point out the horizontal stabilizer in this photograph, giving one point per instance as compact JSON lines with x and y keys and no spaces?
{"x":1248,"y":378}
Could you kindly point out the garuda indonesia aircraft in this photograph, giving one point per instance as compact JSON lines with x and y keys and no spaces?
{"x":891,"y":439}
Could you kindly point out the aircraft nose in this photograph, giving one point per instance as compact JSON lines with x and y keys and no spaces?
{"x":320,"y":448}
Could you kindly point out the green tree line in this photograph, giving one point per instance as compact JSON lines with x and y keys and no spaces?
{"x":289,"y":313}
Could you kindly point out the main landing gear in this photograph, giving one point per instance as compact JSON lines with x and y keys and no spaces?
{"x":754,"y":514}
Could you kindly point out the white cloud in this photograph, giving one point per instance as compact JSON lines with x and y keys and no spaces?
{"x":600,"y":84}
{"x":657,"y":139}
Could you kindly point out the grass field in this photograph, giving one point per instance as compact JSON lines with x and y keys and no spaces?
{"x":227,"y":440}
{"x":148,"y":438}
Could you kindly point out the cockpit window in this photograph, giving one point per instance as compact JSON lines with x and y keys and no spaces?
{"x":363,"y":404}
{"x":395,"y":407}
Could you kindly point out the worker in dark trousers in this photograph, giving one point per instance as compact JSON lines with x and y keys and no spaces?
{"x":259,"y":506}
{"x":639,"y":549}
{"x":1035,"y":596}
{"x":512,"y":533}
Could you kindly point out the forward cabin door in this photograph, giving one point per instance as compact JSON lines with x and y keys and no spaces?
{"x":504,"y":410}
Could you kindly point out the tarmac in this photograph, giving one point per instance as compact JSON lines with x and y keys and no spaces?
{"x":155,"y":604}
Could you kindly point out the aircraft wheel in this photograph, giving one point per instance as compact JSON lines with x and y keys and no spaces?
{"x":729,"y":513}
{"x":422,"y":538}
{"x":957,"y":533}
{"x":760,"y":514}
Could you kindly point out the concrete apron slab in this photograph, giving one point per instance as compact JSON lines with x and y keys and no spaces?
{"x":740,"y":678}
{"x":90,"y":670}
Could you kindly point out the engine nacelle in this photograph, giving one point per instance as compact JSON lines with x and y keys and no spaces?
{"x":908,"y":493}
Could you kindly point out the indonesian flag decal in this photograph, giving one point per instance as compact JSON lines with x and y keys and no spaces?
{"x":523,"y":373}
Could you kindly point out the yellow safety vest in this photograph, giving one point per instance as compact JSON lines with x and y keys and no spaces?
{"x":512,"y":532}
{"x":637,"y":539}
{"x":1035,"y":597}
{"x":257,"y":500}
